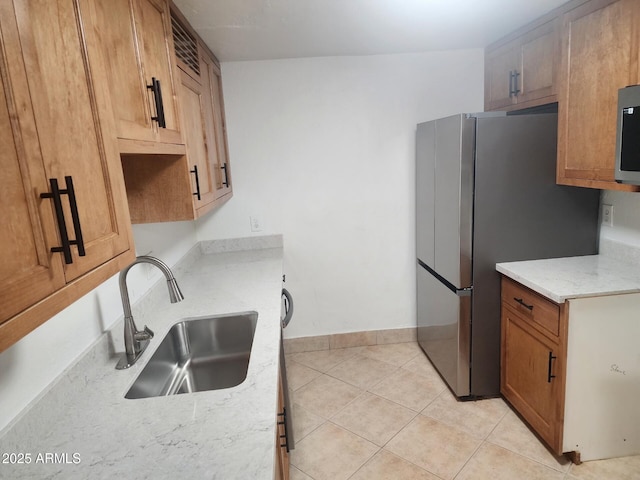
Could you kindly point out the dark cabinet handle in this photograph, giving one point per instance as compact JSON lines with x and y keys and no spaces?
{"x":521,"y":302}
{"x":513,"y":83}
{"x":510,"y":83}
{"x":157,"y":95}
{"x":549,"y":376}
{"x":77,"y":230}
{"x":56,"y":195}
{"x":195,"y":172}
{"x":226,"y":175}
{"x":283,"y":422}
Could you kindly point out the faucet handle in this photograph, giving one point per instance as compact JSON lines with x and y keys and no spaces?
{"x":148,"y":331}
{"x":146,"y":334}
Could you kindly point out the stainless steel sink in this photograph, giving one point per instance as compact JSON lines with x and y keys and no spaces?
{"x":206,"y":353}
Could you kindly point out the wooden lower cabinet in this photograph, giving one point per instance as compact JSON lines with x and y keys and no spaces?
{"x":282,"y":449}
{"x":533,"y":360}
{"x":56,"y":127}
{"x":571,"y":369}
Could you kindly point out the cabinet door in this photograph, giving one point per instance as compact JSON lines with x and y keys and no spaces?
{"x":222,"y":172}
{"x":29,"y":272}
{"x":499,"y":67}
{"x":74,"y":138}
{"x":521,"y":72}
{"x":539,"y":54}
{"x":54,"y":123}
{"x":137,"y":31}
{"x":598,"y":58}
{"x":153,"y":21}
{"x":529,"y":363}
{"x":199,"y":139}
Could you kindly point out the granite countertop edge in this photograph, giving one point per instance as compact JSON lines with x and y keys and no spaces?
{"x":89,"y":430}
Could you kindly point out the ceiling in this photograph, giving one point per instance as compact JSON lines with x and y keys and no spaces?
{"x":272,"y":29}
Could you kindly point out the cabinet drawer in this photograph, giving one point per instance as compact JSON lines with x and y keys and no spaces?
{"x":531,"y":306}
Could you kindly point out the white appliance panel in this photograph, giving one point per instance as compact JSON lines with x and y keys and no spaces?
{"x":602,"y":409}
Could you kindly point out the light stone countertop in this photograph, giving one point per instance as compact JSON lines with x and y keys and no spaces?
{"x":223,"y":434}
{"x":560,"y":279}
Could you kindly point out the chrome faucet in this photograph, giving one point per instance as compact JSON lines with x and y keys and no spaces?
{"x":136,"y":341}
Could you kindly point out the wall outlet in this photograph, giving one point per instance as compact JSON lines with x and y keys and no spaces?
{"x":607,"y":215}
{"x":256,"y":223}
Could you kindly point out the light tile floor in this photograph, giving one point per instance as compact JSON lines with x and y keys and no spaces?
{"x":383,"y":412}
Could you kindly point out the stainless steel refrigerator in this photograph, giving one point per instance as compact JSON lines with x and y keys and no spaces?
{"x":486,"y":193}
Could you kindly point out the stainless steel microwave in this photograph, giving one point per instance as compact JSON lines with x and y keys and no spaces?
{"x":628,"y":136}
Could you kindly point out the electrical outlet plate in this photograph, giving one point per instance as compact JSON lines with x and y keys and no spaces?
{"x":607,"y":215}
{"x":256,"y":223}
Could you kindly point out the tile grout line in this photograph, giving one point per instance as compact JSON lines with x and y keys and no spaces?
{"x":415,"y":413}
{"x":485,"y":440}
{"x":363,"y":393}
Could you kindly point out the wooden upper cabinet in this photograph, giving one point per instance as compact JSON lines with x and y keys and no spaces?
{"x":599,"y":56}
{"x":162,"y":188}
{"x":499,"y":65}
{"x":520,"y":70}
{"x":56,"y":125}
{"x":199,"y":139}
{"x":195,"y":60}
{"x":75,"y":144}
{"x":134,"y":36}
{"x":29,"y":271}
{"x":539,"y":54}
{"x":203,"y":117}
{"x":213,"y":79}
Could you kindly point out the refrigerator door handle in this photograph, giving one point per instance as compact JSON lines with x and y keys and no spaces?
{"x":461,"y":292}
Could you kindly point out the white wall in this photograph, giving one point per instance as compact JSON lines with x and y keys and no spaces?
{"x":626,"y":221}
{"x":322,"y":150}
{"x":29,"y":366}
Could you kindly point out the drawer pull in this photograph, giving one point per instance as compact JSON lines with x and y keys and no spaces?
{"x":551,"y":359}
{"x":521,"y":302}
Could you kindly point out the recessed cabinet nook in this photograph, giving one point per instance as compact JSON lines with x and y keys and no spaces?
{"x":94,"y":141}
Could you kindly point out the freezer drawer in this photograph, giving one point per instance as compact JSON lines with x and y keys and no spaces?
{"x":444,"y":328}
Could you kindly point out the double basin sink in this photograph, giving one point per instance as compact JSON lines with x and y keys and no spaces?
{"x":198,"y":354}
